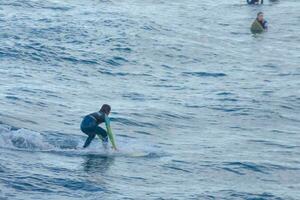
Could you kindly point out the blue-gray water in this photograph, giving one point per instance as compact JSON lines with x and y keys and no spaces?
{"x":202,"y":109}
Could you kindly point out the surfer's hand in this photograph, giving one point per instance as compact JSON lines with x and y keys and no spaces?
{"x":114,"y":148}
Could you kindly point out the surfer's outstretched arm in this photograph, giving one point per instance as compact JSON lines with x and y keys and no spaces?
{"x":109,"y":132}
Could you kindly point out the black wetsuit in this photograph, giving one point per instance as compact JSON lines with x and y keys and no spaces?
{"x":254,"y":1}
{"x":89,"y":126}
{"x":264,"y":24}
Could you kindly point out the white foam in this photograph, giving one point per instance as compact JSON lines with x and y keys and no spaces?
{"x":22,"y":138}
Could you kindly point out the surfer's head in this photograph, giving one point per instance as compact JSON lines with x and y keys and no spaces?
{"x":105,"y":109}
{"x":260,"y":16}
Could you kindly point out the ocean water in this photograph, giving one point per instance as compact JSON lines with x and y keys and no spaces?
{"x":201,"y":108}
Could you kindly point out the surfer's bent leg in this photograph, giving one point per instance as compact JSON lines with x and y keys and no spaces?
{"x":88,"y":126}
{"x":97,"y":130}
{"x":89,"y":140}
{"x":101,"y":132}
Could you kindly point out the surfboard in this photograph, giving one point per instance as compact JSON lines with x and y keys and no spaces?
{"x":138,"y":154}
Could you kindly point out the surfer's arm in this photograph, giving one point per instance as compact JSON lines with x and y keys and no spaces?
{"x":109,"y":132}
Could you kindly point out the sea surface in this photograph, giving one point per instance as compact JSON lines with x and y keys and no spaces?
{"x":201,"y":108}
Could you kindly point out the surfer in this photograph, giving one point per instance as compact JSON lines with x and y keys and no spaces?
{"x":255,"y":1}
{"x":89,"y":126}
{"x":260,"y":24}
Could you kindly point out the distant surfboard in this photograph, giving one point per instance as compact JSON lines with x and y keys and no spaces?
{"x":255,"y":1}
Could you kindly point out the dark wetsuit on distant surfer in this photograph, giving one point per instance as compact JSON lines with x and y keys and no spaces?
{"x":89,"y":126}
{"x":255,"y":1}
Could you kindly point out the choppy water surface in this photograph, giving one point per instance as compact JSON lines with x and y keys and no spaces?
{"x":202,"y":109}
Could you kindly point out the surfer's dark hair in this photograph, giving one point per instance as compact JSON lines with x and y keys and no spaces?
{"x":105,"y":109}
{"x":259,"y":13}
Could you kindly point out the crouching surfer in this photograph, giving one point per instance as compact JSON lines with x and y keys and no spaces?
{"x":90,"y":126}
{"x":260,"y":24}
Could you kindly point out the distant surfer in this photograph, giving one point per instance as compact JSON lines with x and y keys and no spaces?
{"x":90,"y":126}
{"x":260,"y":24}
{"x":255,"y":1}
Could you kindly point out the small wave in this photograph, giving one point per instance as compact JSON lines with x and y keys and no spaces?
{"x":224,"y":93}
{"x":284,"y":132}
{"x":110,"y":73}
{"x":2,"y":168}
{"x":79,"y":61}
{"x":135,"y":96}
{"x":125,"y":136}
{"x":177,"y":168}
{"x":30,"y":4}
{"x":289,"y":74}
{"x":116,"y":61}
{"x":172,"y":116}
{"x":75,"y":184}
{"x":264,"y":168}
{"x":14,"y":98}
{"x":39,"y":183}
{"x":204,"y":74}
{"x":228,"y":109}
{"x":122,"y":49}
{"x":234,"y":194}
{"x":237,"y":166}
{"x":270,"y":143}
{"x":228,"y":99}
{"x":132,"y":122}
{"x":233,"y":171}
